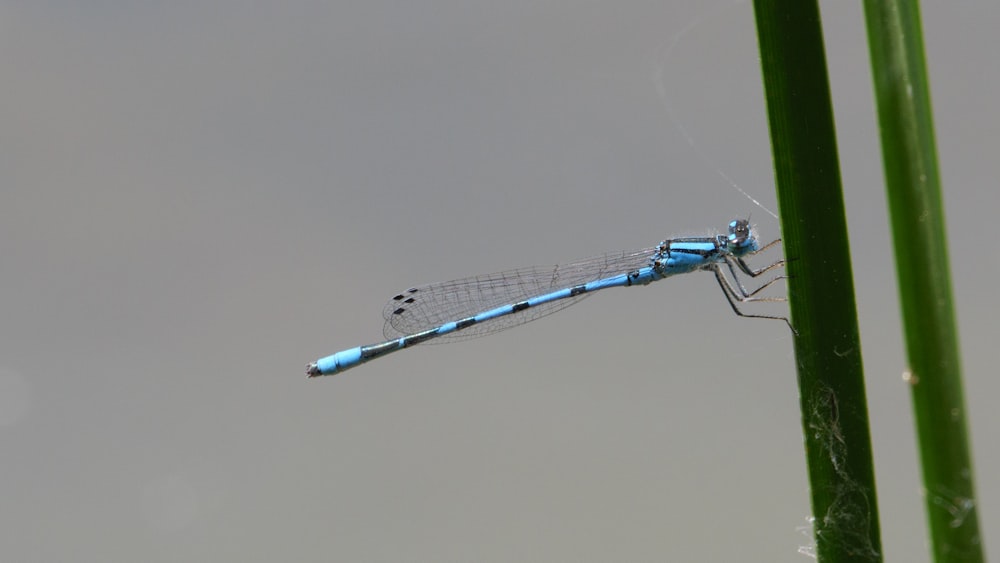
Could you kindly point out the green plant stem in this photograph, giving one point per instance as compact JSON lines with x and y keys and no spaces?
{"x":821,"y":291}
{"x":914,"y":193}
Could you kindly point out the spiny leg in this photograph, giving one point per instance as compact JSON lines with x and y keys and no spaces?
{"x":739,"y":293}
{"x":743,"y":291}
{"x":768,"y":246}
{"x":734,"y":297}
{"x":734,"y":262}
{"x":746,"y":269}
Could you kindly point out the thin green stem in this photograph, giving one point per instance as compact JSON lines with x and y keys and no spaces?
{"x":914,"y":193}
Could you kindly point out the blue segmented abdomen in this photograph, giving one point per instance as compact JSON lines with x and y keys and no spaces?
{"x":355,"y":356}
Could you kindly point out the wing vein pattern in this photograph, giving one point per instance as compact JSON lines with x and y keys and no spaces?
{"x":426,"y":307}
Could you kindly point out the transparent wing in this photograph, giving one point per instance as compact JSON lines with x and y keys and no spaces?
{"x":422,"y":308}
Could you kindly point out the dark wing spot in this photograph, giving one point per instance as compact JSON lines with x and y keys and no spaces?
{"x":400,"y":297}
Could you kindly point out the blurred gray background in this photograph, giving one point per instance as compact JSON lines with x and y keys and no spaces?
{"x":200,"y":197}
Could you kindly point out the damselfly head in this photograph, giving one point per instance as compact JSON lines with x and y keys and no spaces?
{"x":742,"y":239}
{"x":740,"y":234}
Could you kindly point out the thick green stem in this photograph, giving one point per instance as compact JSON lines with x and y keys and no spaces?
{"x":821,"y":291}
